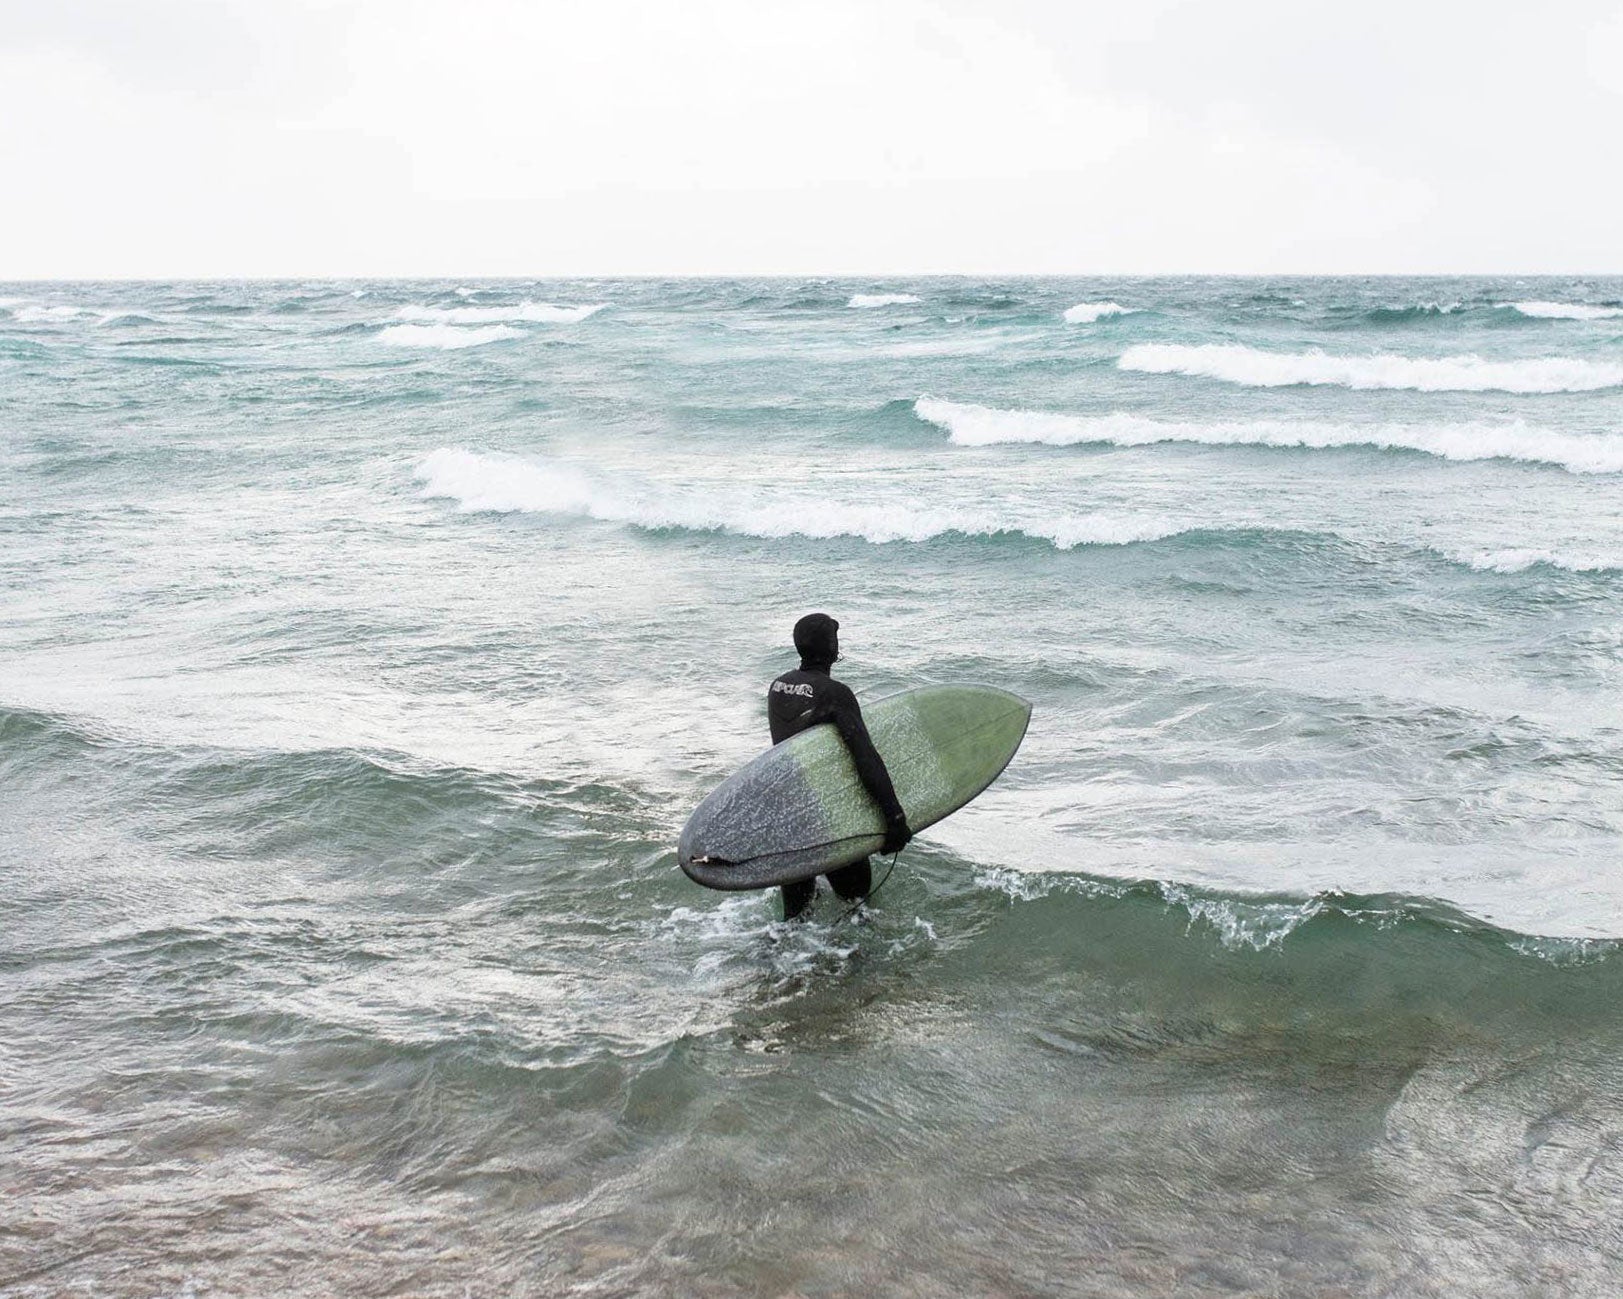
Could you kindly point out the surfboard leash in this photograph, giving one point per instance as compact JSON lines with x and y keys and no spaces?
{"x":866,"y":897}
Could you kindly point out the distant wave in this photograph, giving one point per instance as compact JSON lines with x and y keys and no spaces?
{"x":28,"y":313}
{"x":505,"y":484}
{"x":449,"y":337}
{"x":1562,"y":310}
{"x":1258,"y":369}
{"x":1415,"y":311}
{"x":31,"y":315}
{"x":1085,"y":313}
{"x":285,"y":785}
{"x":1521,"y":559}
{"x":970,"y":425}
{"x":881,"y":299}
{"x":545,"y":313}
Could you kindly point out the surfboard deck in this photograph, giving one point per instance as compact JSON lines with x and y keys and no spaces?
{"x":799,"y":809}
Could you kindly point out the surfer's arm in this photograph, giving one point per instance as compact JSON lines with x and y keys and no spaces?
{"x":846,"y":715}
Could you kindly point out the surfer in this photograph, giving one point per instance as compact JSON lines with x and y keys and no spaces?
{"x":806,"y":697}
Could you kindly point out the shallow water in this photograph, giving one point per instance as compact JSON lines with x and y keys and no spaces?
{"x":363,"y":647}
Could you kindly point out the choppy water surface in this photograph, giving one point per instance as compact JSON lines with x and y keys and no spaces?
{"x":363,"y":647}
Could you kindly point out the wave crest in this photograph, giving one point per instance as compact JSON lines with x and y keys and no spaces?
{"x":1562,"y":310}
{"x":506,"y":484}
{"x":1253,"y":368}
{"x":971,"y":425}
{"x":448,"y":337}
{"x":39,"y":315}
{"x":1085,"y":313}
{"x":1246,"y":922}
{"x":1402,"y":315}
{"x":543,"y":313}
{"x":1519,"y":560}
{"x":861,"y":300}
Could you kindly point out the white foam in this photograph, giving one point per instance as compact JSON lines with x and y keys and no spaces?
{"x":1562,"y":310}
{"x":507,"y":484}
{"x":1520,"y":559}
{"x":540,"y":313}
{"x":1256,"y":923}
{"x":881,"y":299}
{"x":1085,"y":313}
{"x":37,"y":315}
{"x":971,"y":425}
{"x":1102,"y":529}
{"x":450,"y":337}
{"x":1238,"y":922}
{"x":1258,"y":369}
{"x":1566,"y":951}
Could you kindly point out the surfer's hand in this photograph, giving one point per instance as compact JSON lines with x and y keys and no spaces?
{"x":896,"y":836}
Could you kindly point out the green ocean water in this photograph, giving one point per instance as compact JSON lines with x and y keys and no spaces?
{"x":364,"y":646}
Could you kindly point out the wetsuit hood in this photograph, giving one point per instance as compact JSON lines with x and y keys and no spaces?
{"x":817,"y":640}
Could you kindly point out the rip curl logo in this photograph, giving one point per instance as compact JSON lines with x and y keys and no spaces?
{"x":784,"y":688}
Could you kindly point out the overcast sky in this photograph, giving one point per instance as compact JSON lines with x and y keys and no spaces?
{"x":521,"y":137}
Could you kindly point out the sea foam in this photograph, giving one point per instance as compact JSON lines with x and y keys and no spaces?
{"x":1562,"y":310}
{"x":33,"y":315}
{"x":1519,"y":559}
{"x":481,"y":482}
{"x":449,"y":337}
{"x":971,"y":425}
{"x":1085,"y":313}
{"x":543,"y":313}
{"x":1255,"y":368}
{"x":881,"y":299}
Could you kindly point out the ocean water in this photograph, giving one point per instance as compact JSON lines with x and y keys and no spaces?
{"x":364,"y":645}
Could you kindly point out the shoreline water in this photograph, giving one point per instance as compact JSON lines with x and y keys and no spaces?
{"x":354,"y":685}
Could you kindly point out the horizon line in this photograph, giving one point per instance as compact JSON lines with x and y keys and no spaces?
{"x":347,"y":277}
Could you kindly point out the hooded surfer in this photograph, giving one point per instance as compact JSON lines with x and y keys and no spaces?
{"x":806,"y":697}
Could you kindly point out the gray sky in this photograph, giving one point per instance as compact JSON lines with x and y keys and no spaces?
{"x":522,"y":137}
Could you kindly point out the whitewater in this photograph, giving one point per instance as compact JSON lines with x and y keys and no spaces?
{"x":364,"y":646}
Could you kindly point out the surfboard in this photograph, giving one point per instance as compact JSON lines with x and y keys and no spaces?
{"x":799,"y":809}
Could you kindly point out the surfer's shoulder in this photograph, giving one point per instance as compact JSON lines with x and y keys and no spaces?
{"x":840,"y":695}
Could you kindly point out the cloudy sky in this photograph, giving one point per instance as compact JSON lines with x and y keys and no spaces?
{"x":529,"y":137}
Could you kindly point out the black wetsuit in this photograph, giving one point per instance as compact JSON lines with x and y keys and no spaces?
{"x":809,"y":696}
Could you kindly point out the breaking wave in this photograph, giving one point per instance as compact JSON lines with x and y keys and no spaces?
{"x":881,"y":299}
{"x":1562,"y":310}
{"x":1520,"y":559}
{"x":449,"y":337}
{"x":1404,"y":315}
{"x":971,"y":425}
{"x":1243,"y":923}
{"x":506,"y":484}
{"x":31,"y":314}
{"x":1085,"y":313}
{"x":542,"y":313}
{"x":1254,"y":368}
